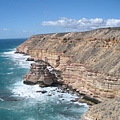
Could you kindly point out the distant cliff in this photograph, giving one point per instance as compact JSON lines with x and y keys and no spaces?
{"x":89,"y":61}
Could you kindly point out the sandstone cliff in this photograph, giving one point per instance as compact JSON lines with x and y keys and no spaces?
{"x":89,"y":61}
{"x":109,"y":110}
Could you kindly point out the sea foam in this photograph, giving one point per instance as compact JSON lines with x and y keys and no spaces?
{"x":35,"y":92}
{"x":32,"y":92}
{"x":19,"y":59}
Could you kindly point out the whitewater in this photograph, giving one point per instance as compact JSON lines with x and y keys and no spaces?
{"x":24,"y":102}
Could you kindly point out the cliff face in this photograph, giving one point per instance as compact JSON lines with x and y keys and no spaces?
{"x":89,"y":61}
{"x":109,"y":110}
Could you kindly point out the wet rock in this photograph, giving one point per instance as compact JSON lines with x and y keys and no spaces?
{"x":43,"y":91}
{"x":64,"y":87}
{"x":29,"y":82}
{"x":60,"y":96}
{"x":30,"y":59}
{"x":49,"y":95}
{"x":93,"y":100}
{"x":75,"y":100}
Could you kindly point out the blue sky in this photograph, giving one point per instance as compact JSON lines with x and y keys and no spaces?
{"x":23,"y":18}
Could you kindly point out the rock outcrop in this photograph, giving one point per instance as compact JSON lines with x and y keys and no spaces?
{"x":89,"y":61}
{"x":40,"y":73}
{"x":109,"y":110}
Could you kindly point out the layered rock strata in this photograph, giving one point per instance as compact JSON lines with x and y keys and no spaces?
{"x":109,"y":110}
{"x":40,"y":73}
{"x":89,"y":61}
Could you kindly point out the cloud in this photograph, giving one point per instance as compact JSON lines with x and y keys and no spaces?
{"x":113,"y":22}
{"x":5,"y":29}
{"x":24,"y":31}
{"x":83,"y":24}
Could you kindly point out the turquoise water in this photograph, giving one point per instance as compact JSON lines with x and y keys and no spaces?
{"x":22,"y":102}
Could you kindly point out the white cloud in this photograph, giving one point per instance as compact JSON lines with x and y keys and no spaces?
{"x":5,"y":29}
{"x":83,"y":24}
{"x":113,"y":22}
{"x":24,"y":31}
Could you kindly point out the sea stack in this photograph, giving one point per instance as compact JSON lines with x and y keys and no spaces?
{"x":41,"y":74}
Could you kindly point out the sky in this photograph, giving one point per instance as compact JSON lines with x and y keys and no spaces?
{"x":23,"y":18}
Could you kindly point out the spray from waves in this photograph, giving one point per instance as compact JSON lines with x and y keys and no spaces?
{"x":19,"y":59}
{"x":34,"y":92}
{"x":38,"y":93}
{"x":52,"y":104}
{"x":53,"y":100}
{"x":1,"y":99}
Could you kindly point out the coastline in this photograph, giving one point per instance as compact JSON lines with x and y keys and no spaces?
{"x":20,"y":101}
{"x":89,"y":61}
{"x":41,"y":68}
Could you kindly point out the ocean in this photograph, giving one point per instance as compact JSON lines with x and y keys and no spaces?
{"x":21,"y":102}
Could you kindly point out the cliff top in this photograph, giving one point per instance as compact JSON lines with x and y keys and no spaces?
{"x":98,"y":49}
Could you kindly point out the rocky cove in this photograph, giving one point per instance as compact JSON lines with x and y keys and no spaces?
{"x":87,"y":63}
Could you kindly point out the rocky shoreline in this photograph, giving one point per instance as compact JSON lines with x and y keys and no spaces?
{"x":86,"y":63}
{"x":44,"y":75}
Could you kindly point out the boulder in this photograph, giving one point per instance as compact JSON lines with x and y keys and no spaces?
{"x":30,"y":59}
